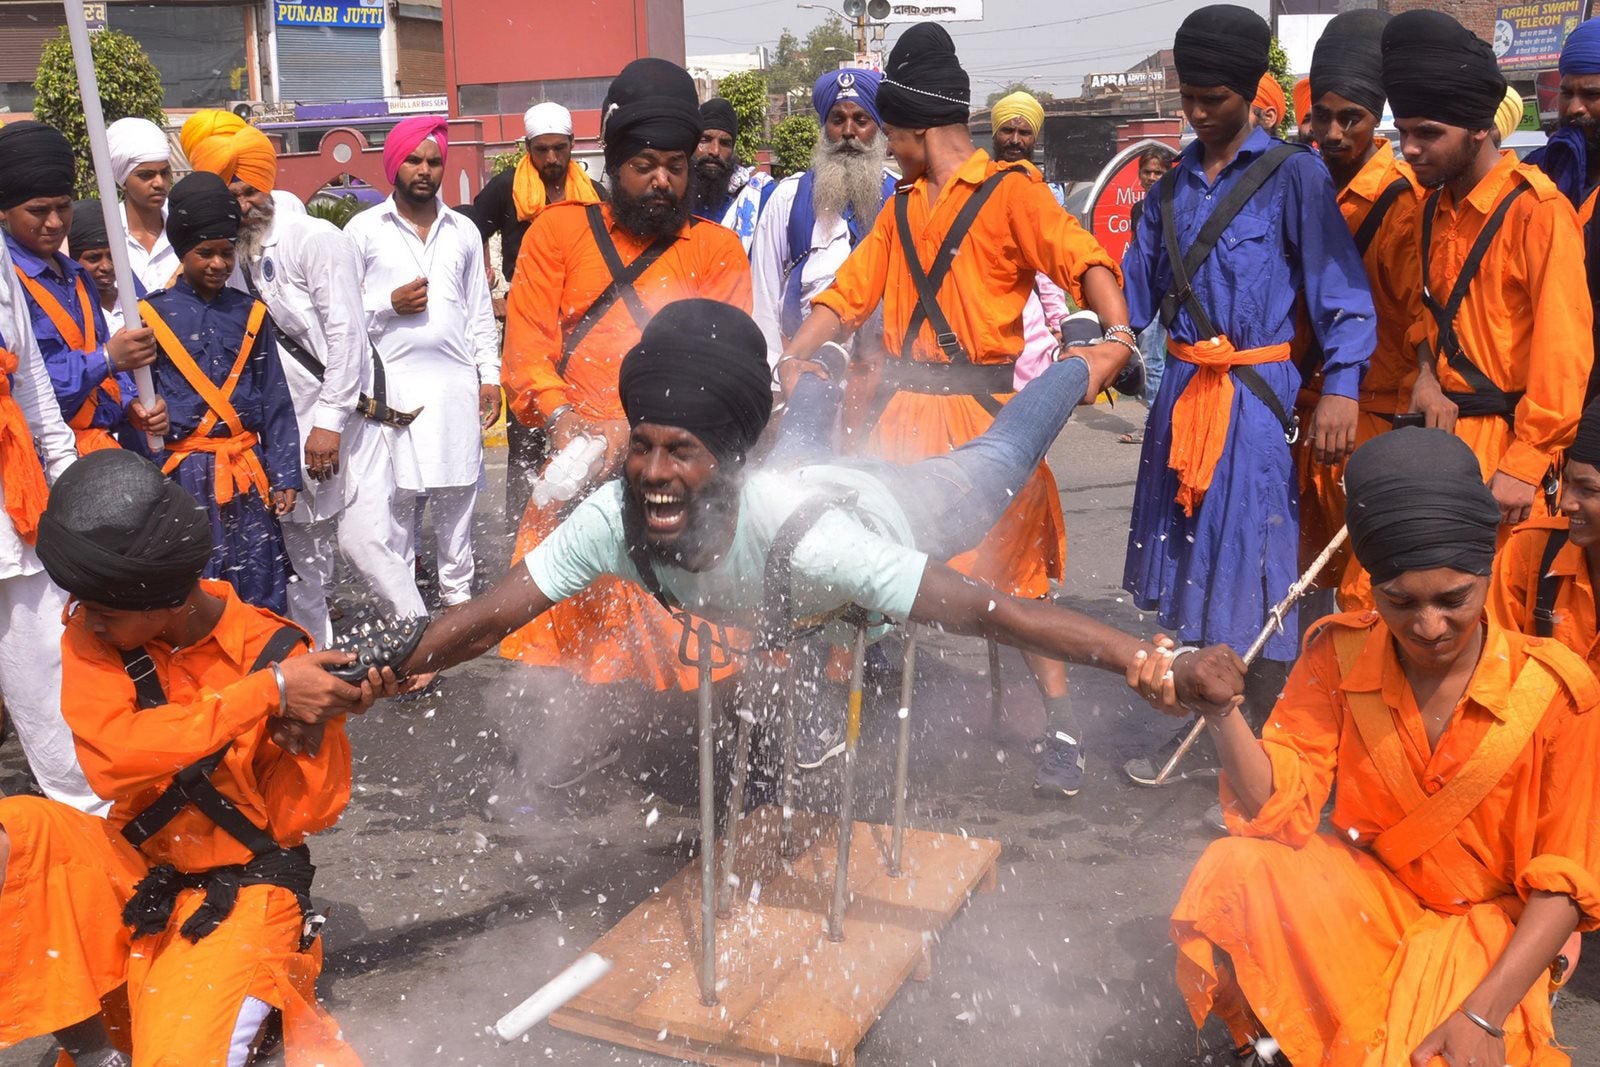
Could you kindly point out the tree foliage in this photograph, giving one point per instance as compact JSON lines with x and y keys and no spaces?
{"x":337,"y":208}
{"x":747,"y":92}
{"x":797,"y":64}
{"x":793,"y":141}
{"x":1044,"y":96}
{"x":130,"y":85}
{"x":1278,"y":67}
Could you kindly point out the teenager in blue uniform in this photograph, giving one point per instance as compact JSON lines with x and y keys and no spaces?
{"x":233,"y":442}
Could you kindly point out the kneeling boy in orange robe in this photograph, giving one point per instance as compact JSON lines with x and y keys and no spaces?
{"x":1462,"y":760}
{"x":195,"y":892}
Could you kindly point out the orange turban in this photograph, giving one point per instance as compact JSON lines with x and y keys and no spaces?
{"x":1270,"y":94}
{"x":1302,"y":100}
{"x":229,"y":147}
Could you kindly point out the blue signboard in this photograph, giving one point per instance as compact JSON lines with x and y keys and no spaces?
{"x":1530,"y":35}
{"x":364,"y":13}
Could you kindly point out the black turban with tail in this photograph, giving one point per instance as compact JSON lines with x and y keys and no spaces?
{"x":1222,"y":44}
{"x":651,"y":104}
{"x":200,"y":208}
{"x":702,"y":366}
{"x":718,"y":114}
{"x":923,"y":82}
{"x":35,"y":161}
{"x":119,"y":533}
{"x":88,"y":229}
{"x":1348,"y":59}
{"x":1585,"y":447}
{"x":1415,"y":500}
{"x":1435,"y":68}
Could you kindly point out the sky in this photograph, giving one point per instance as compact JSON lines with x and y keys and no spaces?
{"x":1049,"y":46}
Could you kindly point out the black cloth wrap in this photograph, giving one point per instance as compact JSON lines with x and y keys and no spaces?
{"x":700,"y":365}
{"x":717,"y":114}
{"x":1415,"y":500}
{"x":200,"y":208}
{"x":88,"y":229}
{"x":923,"y":82}
{"x":1585,"y":448}
{"x":1222,"y":44}
{"x":651,"y":104}
{"x":1435,"y":68}
{"x":119,"y":534}
{"x":1348,"y":59}
{"x":35,"y":160}
{"x":150,"y":908}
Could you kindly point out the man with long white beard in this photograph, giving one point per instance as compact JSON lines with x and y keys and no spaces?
{"x":814,"y":219}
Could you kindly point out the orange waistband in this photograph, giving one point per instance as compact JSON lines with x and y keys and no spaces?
{"x":1203,"y":411}
{"x":1219,"y":352}
{"x":238,"y":468}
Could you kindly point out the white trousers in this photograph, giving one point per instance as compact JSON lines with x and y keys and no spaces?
{"x":30,"y":680}
{"x":452,"y":528}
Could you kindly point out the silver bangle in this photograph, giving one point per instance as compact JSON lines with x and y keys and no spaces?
{"x":550,"y":419}
{"x":1111,"y":336}
{"x":1481,"y":1023}
{"x":1121,"y":328}
{"x":283,"y":690}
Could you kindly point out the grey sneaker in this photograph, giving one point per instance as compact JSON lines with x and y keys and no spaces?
{"x":814,"y":747}
{"x":1061,"y":770}
{"x":1142,"y":770}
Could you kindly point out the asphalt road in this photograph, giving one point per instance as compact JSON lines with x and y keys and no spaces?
{"x":457,"y":883}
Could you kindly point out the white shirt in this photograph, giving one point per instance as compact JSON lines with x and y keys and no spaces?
{"x":436,"y":359}
{"x":154,"y":268}
{"x":30,"y":387}
{"x":744,"y":209}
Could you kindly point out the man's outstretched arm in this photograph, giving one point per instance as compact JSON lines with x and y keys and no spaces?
{"x":467,"y":631}
{"x":1212,"y":677}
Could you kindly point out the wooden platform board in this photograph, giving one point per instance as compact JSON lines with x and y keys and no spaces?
{"x":786,"y":994}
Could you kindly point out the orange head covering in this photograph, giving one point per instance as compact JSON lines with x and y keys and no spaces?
{"x":229,"y":147}
{"x":1270,"y":94}
{"x":1302,"y":99}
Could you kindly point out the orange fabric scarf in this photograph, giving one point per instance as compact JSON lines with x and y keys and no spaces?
{"x":20,"y":471}
{"x":1202,"y":412}
{"x":528,"y":193}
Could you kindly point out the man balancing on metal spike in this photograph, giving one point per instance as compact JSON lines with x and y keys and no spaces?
{"x":860,"y":544}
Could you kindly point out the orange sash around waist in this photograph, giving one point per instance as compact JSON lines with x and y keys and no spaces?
{"x":1202,"y":412}
{"x":92,"y":438}
{"x":20,"y":472}
{"x":238,"y":468}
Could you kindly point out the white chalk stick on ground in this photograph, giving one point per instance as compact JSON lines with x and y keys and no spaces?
{"x":588,"y":970}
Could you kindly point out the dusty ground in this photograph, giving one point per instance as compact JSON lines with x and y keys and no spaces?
{"x":458,"y":884}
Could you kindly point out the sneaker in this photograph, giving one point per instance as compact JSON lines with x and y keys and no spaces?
{"x":1142,"y":770}
{"x":585,"y":765}
{"x":1061,"y":770}
{"x":1213,"y":820}
{"x":817,"y":746}
{"x":1261,"y":1052}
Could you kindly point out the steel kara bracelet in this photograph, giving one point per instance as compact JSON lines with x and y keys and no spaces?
{"x":1483,"y":1024}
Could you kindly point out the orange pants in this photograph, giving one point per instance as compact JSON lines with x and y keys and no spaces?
{"x":63,"y":947}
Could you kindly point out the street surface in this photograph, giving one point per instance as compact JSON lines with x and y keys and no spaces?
{"x":456,"y":883}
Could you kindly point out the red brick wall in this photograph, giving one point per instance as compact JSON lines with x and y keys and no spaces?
{"x":1475,"y":15}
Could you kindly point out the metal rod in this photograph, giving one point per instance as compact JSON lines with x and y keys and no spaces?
{"x":847,"y":790}
{"x":996,"y":690}
{"x":1274,"y":624}
{"x":791,"y":756}
{"x":902,"y":755}
{"x":708,"y":827}
{"x":736,"y":791}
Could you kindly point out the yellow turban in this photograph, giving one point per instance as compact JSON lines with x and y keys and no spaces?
{"x":1508,"y":116}
{"x":229,"y":147}
{"x":1018,"y":105}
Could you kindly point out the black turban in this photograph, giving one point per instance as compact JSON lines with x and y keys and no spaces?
{"x":1415,"y":500}
{"x":200,"y":208}
{"x":923,"y":83}
{"x":1222,"y":44}
{"x":1435,"y":68}
{"x":702,"y":366}
{"x":119,"y":533}
{"x":651,"y":104}
{"x":1348,"y":59}
{"x":1585,"y":448}
{"x":88,"y":229}
{"x":717,"y":114}
{"x":35,"y":160}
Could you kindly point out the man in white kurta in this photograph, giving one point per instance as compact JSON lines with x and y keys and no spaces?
{"x":31,"y":606}
{"x":426,"y":295}
{"x":141,"y":164}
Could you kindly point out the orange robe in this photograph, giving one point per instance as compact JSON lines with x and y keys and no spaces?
{"x":1513,"y":593}
{"x":1020,"y":230}
{"x":63,"y":945}
{"x":1350,"y":948}
{"x":613,"y":631}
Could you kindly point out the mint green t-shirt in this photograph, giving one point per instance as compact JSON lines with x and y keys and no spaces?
{"x":861,"y":554}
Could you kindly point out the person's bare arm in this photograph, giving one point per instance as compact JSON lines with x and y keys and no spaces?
{"x":468,"y":630}
{"x":821,"y":326}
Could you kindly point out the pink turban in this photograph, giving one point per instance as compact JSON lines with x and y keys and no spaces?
{"x":407,"y":134}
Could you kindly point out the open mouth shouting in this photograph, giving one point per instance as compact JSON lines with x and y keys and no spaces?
{"x":665,"y":512}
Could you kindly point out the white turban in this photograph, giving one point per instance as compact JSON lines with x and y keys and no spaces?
{"x":135,"y":141}
{"x":544,"y":118}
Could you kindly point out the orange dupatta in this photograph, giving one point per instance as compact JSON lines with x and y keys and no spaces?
{"x":1203,"y":411}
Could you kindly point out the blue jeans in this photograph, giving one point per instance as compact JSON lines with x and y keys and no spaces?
{"x":1153,"y":347}
{"x":953,"y":500}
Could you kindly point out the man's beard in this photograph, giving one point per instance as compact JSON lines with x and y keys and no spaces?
{"x":403,"y":192}
{"x":848,"y":173}
{"x":1454,"y":167}
{"x":553,"y":173}
{"x":712,"y":512}
{"x":713,"y":174}
{"x":253,"y":230}
{"x":657,"y":214}
{"x":1590,"y":128}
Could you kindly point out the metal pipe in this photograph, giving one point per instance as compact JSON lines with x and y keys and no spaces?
{"x":997,"y":693}
{"x":708,"y":826}
{"x":786,"y":844}
{"x":847,"y":790}
{"x":736,"y":791}
{"x":902,"y":755}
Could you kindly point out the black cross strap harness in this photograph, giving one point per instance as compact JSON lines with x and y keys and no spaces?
{"x":270,"y":864}
{"x":1185,"y":264}
{"x":621,"y":286}
{"x":1544,"y":600}
{"x":1364,"y":236}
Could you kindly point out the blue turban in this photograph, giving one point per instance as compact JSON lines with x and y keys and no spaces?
{"x":856,"y":85}
{"x":1581,"y":53}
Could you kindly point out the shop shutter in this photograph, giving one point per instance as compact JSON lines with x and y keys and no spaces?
{"x":327,"y":64}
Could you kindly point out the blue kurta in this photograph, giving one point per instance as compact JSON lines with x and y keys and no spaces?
{"x":248,"y":550}
{"x":74,"y":374}
{"x":1214,"y":576}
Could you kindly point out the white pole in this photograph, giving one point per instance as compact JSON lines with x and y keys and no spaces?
{"x":588,"y":970}
{"x":100,"y":151}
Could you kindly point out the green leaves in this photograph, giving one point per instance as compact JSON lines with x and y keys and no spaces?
{"x":130,"y":85}
{"x":747,"y":92}
{"x":793,"y":141}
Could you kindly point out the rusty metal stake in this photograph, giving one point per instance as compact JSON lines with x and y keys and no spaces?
{"x":847,"y":789}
